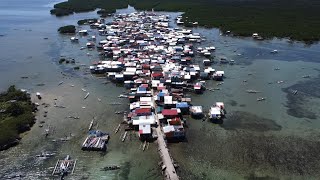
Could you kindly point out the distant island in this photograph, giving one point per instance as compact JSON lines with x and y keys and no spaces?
{"x":297,"y":20}
{"x":69,"y":29}
{"x":16,"y":116}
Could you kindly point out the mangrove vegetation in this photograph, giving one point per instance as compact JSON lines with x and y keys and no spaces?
{"x":75,"y":6}
{"x":294,"y":19}
{"x":69,"y":29}
{"x":16,"y":116}
{"x":86,"y":21}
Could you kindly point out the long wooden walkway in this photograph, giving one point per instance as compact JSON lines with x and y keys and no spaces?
{"x":170,"y":171}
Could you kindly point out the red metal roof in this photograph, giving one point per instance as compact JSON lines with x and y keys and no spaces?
{"x":146,"y":66}
{"x":157,"y":74}
{"x":169,"y":112}
{"x":142,"y":110}
{"x":175,"y":121}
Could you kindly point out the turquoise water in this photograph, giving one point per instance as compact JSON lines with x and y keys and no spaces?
{"x":257,"y":139}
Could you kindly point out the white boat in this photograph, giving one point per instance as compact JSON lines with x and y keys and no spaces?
{"x":210,"y":48}
{"x":91,"y":124}
{"x":74,"y":39}
{"x":199,"y":49}
{"x":38,"y":95}
{"x":207,"y":54}
{"x":83,"y":32}
{"x":274,"y":51}
{"x":45,"y":155}
{"x":261,"y":99}
{"x":86,"y":95}
{"x":90,"y":44}
{"x":122,"y":96}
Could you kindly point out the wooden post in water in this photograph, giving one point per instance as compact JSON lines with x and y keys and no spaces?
{"x":55,"y":167}
{"x":74,"y":166}
{"x":144,"y":145}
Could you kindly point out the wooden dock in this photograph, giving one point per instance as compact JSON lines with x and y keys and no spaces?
{"x":168,"y":165}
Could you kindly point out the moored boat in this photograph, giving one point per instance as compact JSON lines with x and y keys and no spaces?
{"x":74,"y":39}
{"x":217,"y":112}
{"x":196,"y":112}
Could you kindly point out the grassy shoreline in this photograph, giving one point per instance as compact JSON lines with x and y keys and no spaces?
{"x":297,"y":20}
{"x":16,"y":116}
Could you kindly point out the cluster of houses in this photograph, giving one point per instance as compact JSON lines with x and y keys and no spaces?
{"x":154,"y":62}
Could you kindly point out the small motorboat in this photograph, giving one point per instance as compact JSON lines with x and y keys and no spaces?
{"x":274,"y":51}
{"x":45,"y":155}
{"x":90,"y":44}
{"x":252,"y":91}
{"x":38,"y":95}
{"x":122,"y":96}
{"x":108,"y":168}
{"x":261,"y":99}
{"x":74,"y":39}
{"x":85,"y":97}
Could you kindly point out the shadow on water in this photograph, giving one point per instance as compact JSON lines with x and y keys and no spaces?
{"x":255,"y":177}
{"x":125,"y":171}
{"x":297,"y":102}
{"x":179,"y":140}
{"x":217,"y":121}
{"x":247,"y":121}
{"x":250,"y":153}
{"x":232,"y":102}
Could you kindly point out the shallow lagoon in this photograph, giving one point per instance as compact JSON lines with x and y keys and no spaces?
{"x":258,"y":139}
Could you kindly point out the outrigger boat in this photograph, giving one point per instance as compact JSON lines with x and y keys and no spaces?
{"x":45,"y":155}
{"x":108,"y":168}
{"x":86,"y":96}
{"x":91,"y":124}
{"x":64,"y":167}
{"x":261,"y":99}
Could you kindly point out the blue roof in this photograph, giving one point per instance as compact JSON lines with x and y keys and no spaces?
{"x":142,"y":89}
{"x":182,"y":105}
{"x":97,"y":133}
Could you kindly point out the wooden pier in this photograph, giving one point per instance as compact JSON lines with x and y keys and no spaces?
{"x":168,"y":165}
